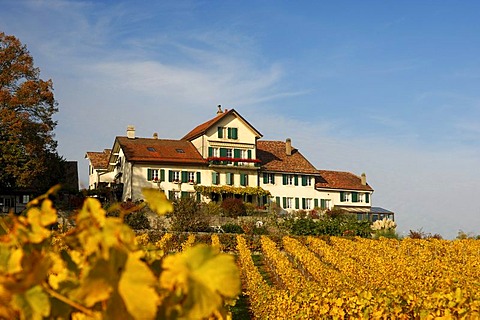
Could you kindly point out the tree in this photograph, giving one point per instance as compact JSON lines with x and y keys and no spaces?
{"x":27,"y":145}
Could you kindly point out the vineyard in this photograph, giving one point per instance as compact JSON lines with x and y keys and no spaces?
{"x":101,"y":270}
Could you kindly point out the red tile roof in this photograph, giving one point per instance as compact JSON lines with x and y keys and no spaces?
{"x":99,"y":160}
{"x":202,"y":128}
{"x":340,"y":180}
{"x":273,"y":157}
{"x":160,"y":150}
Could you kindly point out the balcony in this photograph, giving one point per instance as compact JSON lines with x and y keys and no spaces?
{"x":236,"y":162}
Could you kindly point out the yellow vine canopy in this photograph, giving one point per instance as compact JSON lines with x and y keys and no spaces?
{"x":252,"y":191}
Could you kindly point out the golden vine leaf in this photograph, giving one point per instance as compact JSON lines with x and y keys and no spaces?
{"x":157,"y":201}
{"x":136,"y":287}
{"x":201,"y":278}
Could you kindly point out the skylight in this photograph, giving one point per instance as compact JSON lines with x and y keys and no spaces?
{"x":152,"y":149}
{"x":180,"y":150}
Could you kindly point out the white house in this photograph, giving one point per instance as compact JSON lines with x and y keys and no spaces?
{"x":225,"y":157}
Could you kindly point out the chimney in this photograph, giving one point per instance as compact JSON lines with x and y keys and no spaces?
{"x":130,"y":132}
{"x":288,"y":147}
{"x":219,"y":111}
{"x":364,"y":179}
{"x":155,"y":135}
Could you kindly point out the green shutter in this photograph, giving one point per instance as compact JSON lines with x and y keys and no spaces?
{"x":296,"y":180}
{"x":277,"y":200}
{"x":323,"y":204}
{"x":184,"y":194}
{"x":367,"y":197}
{"x":210,"y":151}
{"x":214,"y":178}
{"x":265,"y":178}
{"x":184,"y":176}
{"x":229,"y":133}
{"x":170,"y":194}
{"x":303,"y":203}
{"x":170,"y":175}
{"x":284,"y":202}
{"x":249,"y":154}
{"x":235,"y":133}
{"x":149,"y":174}
{"x":242,"y":179}
{"x":342,"y":196}
{"x":354,"y":196}
{"x":315,"y":203}
{"x":236,"y":153}
{"x":284,"y":176}
{"x":220,"y":132}
{"x":297,"y":203}
{"x":162,"y":175}
{"x":223,"y":152}
{"x":304,"y":180}
{"x":199,"y":178}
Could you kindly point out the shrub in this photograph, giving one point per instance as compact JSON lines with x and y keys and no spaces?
{"x":250,"y":209}
{"x":137,"y":220}
{"x":187,"y":216}
{"x":232,"y":228}
{"x":233,"y":207}
{"x":212,"y":208}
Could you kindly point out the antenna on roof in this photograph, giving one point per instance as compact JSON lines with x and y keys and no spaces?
{"x":219,"y":111}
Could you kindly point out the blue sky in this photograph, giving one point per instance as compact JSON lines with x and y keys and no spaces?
{"x":389,"y":88}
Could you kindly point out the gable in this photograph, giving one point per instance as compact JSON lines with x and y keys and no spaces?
{"x":99,"y":160}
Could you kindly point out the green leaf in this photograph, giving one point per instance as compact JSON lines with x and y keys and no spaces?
{"x":157,"y":201}
{"x":136,"y":287}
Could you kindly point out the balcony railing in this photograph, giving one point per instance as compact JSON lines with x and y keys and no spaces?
{"x":225,"y":161}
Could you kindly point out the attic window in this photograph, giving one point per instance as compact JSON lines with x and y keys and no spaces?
{"x":180,"y":150}
{"x":152,"y":149}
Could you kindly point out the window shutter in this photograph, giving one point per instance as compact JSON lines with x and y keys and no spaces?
{"x":236,"y":153}
{"x":210,"y":151}
{"x":354,"y":196}
{"x":184,"y":194}
{"x":149,"y":174}
{"x":223,"y":152}
{"x":249,"y":154}
{"x":162,"y":175}
{"x":214,"y":178}
{"x":242,"y":179}
{"x":297,"y":203}
{"x":229,"y":132}
{"x":315,"y":203}
{"x":170,"y":175}
{"x":303,"y":203}
{"x":284,"y":202}
{"x":170,"y":194}
{"x":220,"y":132}
{"x":284,"y":176}
{"x":184,"y":176}
{"x":323,"y":204}
{"x":304,"y":180}
{"x":296,"y":180}
{"x":277,"y":200}
{"x":342,"y":199}
{"x":199,"y":177}
{"x":265,"y":178}
{"x":367,"y":197}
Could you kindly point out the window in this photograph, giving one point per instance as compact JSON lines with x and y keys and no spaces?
{"x":213,"y":152}
{"x":191,"y":176}
{"x":174,"y":176}
{"x":307,"y":204}
{"x":289,"y":179}
{"x":155,"y":175}
{"x":361,"y":197}
{"x":268,"y":178}
{"x":306,"y":181}
{"x":325,"y":204}
{"x":288,"y":203}
{"x":25,"y":198}
{"x":229,"y":153}
{"x":180,"y":150}
{"x":174,"y":195}
{"x":229,"y":179}
{"x":243,"y":179}
{"x":151,"y":149}
{"x":227,"y":132}
{"x":344,"y":196}
{"x":215,"y":178}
